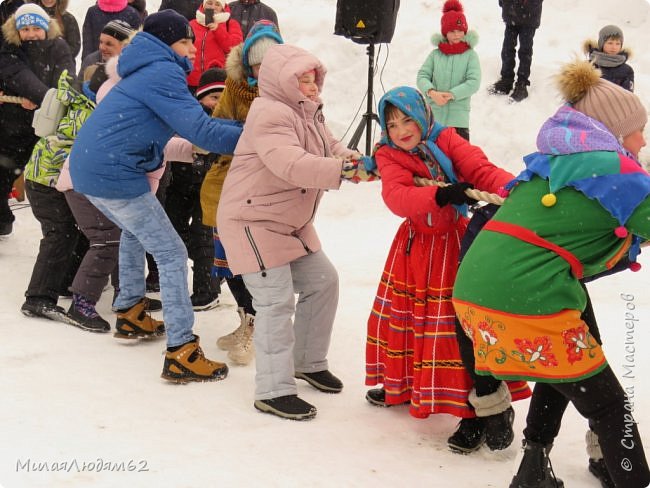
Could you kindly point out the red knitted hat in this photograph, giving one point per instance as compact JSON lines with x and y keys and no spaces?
{"x":112,"y":5}
{"x":452,"y":17}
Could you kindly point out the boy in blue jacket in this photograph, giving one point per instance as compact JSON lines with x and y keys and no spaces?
{"x":118,"y":145}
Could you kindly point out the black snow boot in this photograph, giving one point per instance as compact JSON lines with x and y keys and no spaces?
{"x":501,"y":87}
{"x":498,"y":429}
{"x":497,"y":414}
{"x":469,"y":436}
{"x":205,"y":287}
{"x":599,"y":470}
{"x":535,"y":470}
{"x":597,"y":465}
{"x":520,"y":92}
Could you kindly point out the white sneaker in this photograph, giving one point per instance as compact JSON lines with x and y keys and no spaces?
{"x":227,"y":342}
{"x":243,"y":352}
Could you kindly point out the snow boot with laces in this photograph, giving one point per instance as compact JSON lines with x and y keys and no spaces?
{"x":535,"y":470}
{"x":136,"y":323}
{"x":227,"y":342}
{"x":243,"y":352}
{"x":187,"y":363}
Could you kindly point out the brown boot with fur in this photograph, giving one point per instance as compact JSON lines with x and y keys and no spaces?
{"x":136,"y":323}
{"x":187,"y":363}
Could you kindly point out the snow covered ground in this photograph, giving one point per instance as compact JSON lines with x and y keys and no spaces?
{"x":95,"y":410}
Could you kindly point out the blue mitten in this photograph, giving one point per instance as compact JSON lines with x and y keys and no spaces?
{"x":369,"y":163}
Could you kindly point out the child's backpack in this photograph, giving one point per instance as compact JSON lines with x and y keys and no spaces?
{"x":48,"y":115}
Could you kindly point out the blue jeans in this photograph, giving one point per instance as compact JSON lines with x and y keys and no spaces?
{"x":145,"y":227}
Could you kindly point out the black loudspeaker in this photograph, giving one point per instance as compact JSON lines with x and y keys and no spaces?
{"x":366,"y":21}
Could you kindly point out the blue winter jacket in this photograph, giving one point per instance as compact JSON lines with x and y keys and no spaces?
{"x":125,"y":136}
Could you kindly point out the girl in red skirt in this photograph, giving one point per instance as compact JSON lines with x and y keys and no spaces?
{"x":411,"y":345}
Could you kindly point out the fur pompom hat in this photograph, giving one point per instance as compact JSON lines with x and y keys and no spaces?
{"x":620,"y":110}
{"x":452,"y":17}
{"x":607,"y":32}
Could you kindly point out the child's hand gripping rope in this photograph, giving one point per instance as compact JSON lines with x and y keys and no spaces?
{"x":359,"y":168}
{"x":472,"y":193}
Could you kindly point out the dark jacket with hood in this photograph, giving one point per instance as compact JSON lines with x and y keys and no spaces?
{"x":247,"y":12}
{"x":141,"y":7}
{"x":68,"y":24}
{"x":96,"y":19}
{"x":27,"y":69}
{"x":7,"y":8}
{"x":187,"y":8}
{"x":523,"y":13}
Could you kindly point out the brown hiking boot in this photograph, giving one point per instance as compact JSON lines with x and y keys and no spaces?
{"x":136,"y":323}
{"x":188,"y":363}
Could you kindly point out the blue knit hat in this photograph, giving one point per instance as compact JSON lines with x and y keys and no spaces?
{"x":169,"y":26}
{"x":263,"y":34}
{"x":32,"y":14}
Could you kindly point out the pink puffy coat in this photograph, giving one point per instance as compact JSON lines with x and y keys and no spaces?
{"x":282,"y":164}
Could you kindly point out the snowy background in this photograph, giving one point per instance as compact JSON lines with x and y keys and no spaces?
{"x":69,"y":396}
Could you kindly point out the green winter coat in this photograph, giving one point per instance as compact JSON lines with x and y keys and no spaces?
{"x":507,"y":274}
{"x":459,"y":74}
{"x":50,"y":152}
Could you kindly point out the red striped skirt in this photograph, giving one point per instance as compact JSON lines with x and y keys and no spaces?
{"x":411,"y":344}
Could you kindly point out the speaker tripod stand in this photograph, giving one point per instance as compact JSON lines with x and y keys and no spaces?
{"x":368,"y":117}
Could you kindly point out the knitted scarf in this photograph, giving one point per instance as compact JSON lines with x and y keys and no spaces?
{"x":599,"y":58}
{"x":219,"y":17}
{"x":451,"y":49}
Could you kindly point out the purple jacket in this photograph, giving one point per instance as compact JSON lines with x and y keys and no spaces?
{"x":282,"y":164}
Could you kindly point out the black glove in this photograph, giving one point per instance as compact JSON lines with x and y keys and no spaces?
{"x":454,"y":194}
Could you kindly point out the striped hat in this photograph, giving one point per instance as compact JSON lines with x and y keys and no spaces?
{"x":212,"y":80}
{"x":118,"y":29}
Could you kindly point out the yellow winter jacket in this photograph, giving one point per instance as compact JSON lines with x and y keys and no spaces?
{"x":234,"y":104}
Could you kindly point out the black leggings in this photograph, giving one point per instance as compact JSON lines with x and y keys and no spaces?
{"x":242,"y":295}
{"x":602,"y":401}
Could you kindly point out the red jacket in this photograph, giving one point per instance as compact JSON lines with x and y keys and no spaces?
{"x":212,"y":46}
{"x":403,"y":198}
